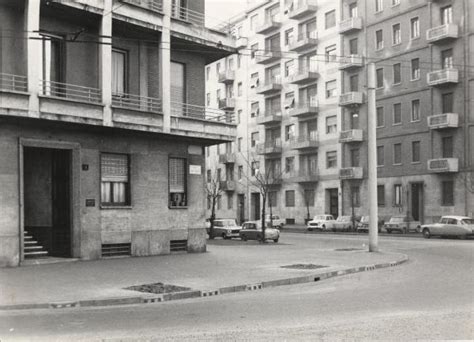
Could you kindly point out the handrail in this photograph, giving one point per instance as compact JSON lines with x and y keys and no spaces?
{"x":154,"y":5}
{"x":308,"y":35}
{"x":137,"y":102}
{"x":70,"y":91}
{"x":186,"y":14}
{"x":13,"y":82}
{"x":200,"y":112}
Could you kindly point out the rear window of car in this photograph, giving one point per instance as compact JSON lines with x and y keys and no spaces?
{"x":397,"y":219}
{"x":467,"y":221}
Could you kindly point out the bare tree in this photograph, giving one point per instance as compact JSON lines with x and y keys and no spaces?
{"x":213,"y":191}
{"x":308,"y":196}
{"x":467,"y":179}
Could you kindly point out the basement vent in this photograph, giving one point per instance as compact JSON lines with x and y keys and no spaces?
{"x":290,"y":221}
{"x":178,"y":245}
{"x":116,"y":249}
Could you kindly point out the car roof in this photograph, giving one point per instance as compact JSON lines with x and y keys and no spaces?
{"x":456,"y":217}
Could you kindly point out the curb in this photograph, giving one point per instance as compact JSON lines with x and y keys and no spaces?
{"x":159,"y":298}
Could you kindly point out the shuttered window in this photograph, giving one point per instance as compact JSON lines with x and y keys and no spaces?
{"x":114,"y":179}
{"x":177,"y":183}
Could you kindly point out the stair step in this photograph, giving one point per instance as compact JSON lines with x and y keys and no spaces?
{"x":27,"y":237}
{"x":31,"y":242}
{"x":38,"y":253}
{"x":38,"y":247}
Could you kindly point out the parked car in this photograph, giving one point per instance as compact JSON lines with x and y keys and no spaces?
{"x":226,"y":228}
{"x":276,"y":221}
{"x":343,"y":223}
{"x":321,"y":222}
{"x":461,"y":226}
{"x":363,"y":225}
{"x":252,"y":230}
{"x":402,"y":224}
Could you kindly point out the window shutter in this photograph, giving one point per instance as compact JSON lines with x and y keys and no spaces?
{"x":177,"y":174}
{"x":114,"y":167}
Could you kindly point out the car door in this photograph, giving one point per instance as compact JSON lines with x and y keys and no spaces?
{"x":455,"y":228}
{"x":252,"y":231}
{"x":440,"y":228}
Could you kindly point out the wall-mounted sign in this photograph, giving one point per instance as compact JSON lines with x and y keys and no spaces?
{"x":85,"y":167}
{"x":194,"y":169}
{"x":90,"y":202}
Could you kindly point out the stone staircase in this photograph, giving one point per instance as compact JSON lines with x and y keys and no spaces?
{"x":32,"y":249}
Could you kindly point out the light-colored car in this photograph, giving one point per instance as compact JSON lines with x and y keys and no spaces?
{"x":344,"y":223}
{"x":400,"y":223}
{"x":363,"y":225}
{"x":252,"y":230}
{"x":321,"y":222}
{"x":277,"y":222}
{"x":461,"y":226}
{"x":225,"y":228}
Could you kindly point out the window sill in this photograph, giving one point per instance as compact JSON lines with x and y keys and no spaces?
{"x":416,"y":163}
{"x":415,"y":121}
{"x":397,"y":124}
{"x":398,"y":164}
{"x":111,"y":207}
{"x":415,"y":79}
{"x":177,"y":208}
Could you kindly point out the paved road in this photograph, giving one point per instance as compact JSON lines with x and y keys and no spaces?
{"x":431,"y":297}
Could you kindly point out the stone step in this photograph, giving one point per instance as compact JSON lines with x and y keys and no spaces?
{"x":33,"y":248}
{"x":30,"y":242}
{"x":35,"y":254}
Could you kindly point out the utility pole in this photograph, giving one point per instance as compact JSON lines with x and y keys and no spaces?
{"x":372,"y":154}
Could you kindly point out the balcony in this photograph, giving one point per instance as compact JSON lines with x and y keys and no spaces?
{"x":353,"y":135}
{"x":353,"y":98}
{"x":271,"y":86}
{"x":271,"y":118}
{"x":270,"y":25}
{"x":226,"y":77}
{"x":443,"y":77}
{"x":227,"y":185}
{"x":443,"y":165}
{"x":269,"y":147}
{"x":305,"y":41}
{"x":268,"y":57}
{"x":227,"y":158}
{"x":227,"y":103}
{"x":13,"y":83}
{"x":351,"y":173}
{"x":302,"y":9}
{"x":153,"y":5}
{"x":441,"y":33}
{"x":307,"y":176}
{"x":306,"y":108}
{"x":185,"y":14}
{"x":351,"y":62}
{"x":446,"y":120}
{"x":241,"y":42}
{"x":306,"y":74}
{"x":350,"y":25}
{"x":71,"y":92}
{"x":305,"y":141}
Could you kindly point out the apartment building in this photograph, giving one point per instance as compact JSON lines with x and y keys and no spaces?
{"x":103,"y":127}
{"x":313,"y":124}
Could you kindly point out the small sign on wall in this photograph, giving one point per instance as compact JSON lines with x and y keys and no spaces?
{"x":194,"y":169}
{"x":90,"y":202}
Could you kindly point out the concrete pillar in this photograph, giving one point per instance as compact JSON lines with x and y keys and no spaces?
{"x":143,"y":74}
{"x":165,"y":66}
{"x":105,"y":60}
{"x":34,"y":54}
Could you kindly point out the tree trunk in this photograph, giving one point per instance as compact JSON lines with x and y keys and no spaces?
{"x":264,"y":200}
{"x":213,"y":217}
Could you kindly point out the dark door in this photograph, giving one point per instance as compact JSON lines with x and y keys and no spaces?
{"x":61,"y":203}
{"x":256,"y":206}
{"x":241,"y":208}
{"x":333,"y":202}
{"x":417,"y":201}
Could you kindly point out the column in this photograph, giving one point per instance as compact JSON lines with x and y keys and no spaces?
{"x":34,"y":54}
{"x":105,"y":58}
{"x":165,"y":66}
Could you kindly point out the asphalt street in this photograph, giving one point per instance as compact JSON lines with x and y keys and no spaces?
{"x":430,"y":297}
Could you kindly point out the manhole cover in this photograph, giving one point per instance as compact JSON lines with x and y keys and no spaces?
{"x":304,"y":266}
{"x":348,"y":249}
{"x":158,"y":288}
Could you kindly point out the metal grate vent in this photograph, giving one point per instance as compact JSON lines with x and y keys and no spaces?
{"x":116,"y":249}
{"x":178,"y":245}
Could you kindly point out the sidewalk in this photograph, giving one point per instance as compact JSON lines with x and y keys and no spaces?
{"x":228,"y":266}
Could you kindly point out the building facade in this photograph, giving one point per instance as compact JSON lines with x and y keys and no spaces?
{"x":103,"y":127}
{"x":319,"y":116}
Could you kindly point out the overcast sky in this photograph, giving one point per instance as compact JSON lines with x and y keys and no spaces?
{"x":222,"y":10}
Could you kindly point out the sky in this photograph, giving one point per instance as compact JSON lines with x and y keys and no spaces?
{"x":222,"y":10}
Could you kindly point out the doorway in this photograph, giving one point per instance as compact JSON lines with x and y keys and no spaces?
{"x":47,"y":202}
{"x":417,"y":201}
{"x":255,"y":202}
{"x":241,"y":208}
{"x":332,"y":200}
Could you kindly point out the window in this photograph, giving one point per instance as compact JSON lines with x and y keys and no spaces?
{"x":273,"y":43}
{"x":208,"y":73}
{"x":254,"y":80}
{"x":396,"y":34}
{"x":415,"y":152}
{"x":330,"y":19}
{"x":380,"y":117}
{"x":253,"y":22}
{"x":447,"y":147}
{"x":397,"y":195}
{"x":381,"y":195}
{"x":415,"y":69}
{"x":254,"y":139}
{"x":273,"y":105}
{"x":446,"y":15}
{"x":239,"y":145}
{"x":289,"y":132}
{"x":354,"y":82}
{"x":53,"y":56}
{"x":119,"y":72}
{"x":353,"y":13}
{"x":115,"y":186}
{"x":229,"y":91}
{"x":331,"y":88}
{"x":240,"y":172}
{"x":397,"y":154}
{"x":331,"y":55}
{"x":355,"y":157}
{"x":354,"y":119}
{"x":289,"y":68}
{"x":414,"y":28}
{"x":379,"y":40}
{"x":218,"y":94}
{"x":239,"y":89}
{"x":397,"y":73}
{"x":272,"y":198}
{"x":379,"y":74}
{"x":447,"y":102}
{"x":415,"y":110}
{"x":230,"y":201}
{"x":273,"y":13}
{"x":254,"y":109}
{"x":447,"y":194}
{"x":331,"y":124}
{"x":177,"y":182}
{"x":253,"y":50}
{"x":380,"y":156}
{"x":378,"y":5}
{"x":208,"y":99}
{"x":239,"y":116}
{"x":290,"y":198}
{"x":447,"y":59}
{"x":239,"y":61}
{"x":395,"y":2}
{"x":355,"y":196}
{"x":331,"y":159}
{"x":178,"y":85}
{"x":230,"y":64}
{"x":290,"y":100}
{"x":354,"y":46}
{"x":218,"y":68}
{"x":289,"y":37}
{"x":397,"y":114}
{"x":289,"y":164}
{"x":208,"y":176}
{"x":219,"y":202}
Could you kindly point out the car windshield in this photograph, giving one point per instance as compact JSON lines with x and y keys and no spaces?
{"x":343,"y":218}
{"x":226,"y":223}
{"x":397,"y":219}
{"x":364,"y":219}
{"x":467,"y":221}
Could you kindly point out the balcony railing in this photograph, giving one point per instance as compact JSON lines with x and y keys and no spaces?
{"x":269,"y":147}
{"x":227,"y":103}
{"x":268,"y":57}
{"x":352,"y":135}
{"x":226,"y":76}
{"x":241,"y":42}
{"x":350,"y":24}
{"x":227,"y":158}
{"x":443,"y":76}
{"x":272,"y":85}
{"x":304,"y":108}
{"x":200,"y":112}
{"x":351,"y":173}
{"x":271,"y":117}
{"x":185,"y":14}
{"x":13,"y":82}
{"x":71,"y":91}
{"x":351,"y":98}
{"x":306,"y":40}
{"x":448,"y":31}
{"x":154,"y":5}
{"x":443,"y":165}
{"x":307,"y":140}
{"x":307,"y":176}
{"x":307,"y":72}
{"x":302,"y":8}
{"x":136,"y":102}
{"x":445,"y":120}
{"x":350,"y":62}
{"x":227,"y":185}
{"x":270,"y":24}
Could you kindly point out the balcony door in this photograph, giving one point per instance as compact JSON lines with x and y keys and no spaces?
{"x":53,"y":65}
{"x":119,"y":72}
{"x":178,"y":89}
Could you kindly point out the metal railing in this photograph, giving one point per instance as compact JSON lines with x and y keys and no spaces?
{"x":136,"y":102}
{"x":307,"y":35}
{"x":273,"y":80}
{"x":70,"y":91}
{"x":308,"y":137}
{"x":200,"y":112}
{"x":308,"y":66}
{"x":13,"y":82}
{"x":185,"y":14}
{"x":154,"y":5}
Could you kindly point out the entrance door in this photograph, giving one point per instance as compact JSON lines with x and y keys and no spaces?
{"x":256,"y":205}
{"x":417,"y":201}
{"x":333,"y":200}
{"x":241,"y":208}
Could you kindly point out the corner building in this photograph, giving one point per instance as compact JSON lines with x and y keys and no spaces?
{"x":103,"y":127}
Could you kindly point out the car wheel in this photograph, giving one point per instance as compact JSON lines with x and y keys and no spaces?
{"x":224,"y":236}
{"x":323,"y":227}
{"x":404,"y":230}
{"x":389,"y":231}
{"x":426,"y":233}
{"x":244,"y":238}
{"x":280,"y":226}
{"x":275,"y":240}
{"x":310,"y":229}
{"x":259,"y":237}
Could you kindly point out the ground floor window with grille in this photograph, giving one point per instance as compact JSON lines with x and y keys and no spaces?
{"x":115,"y":184}
{"x":447,"y":195}
{"x":177,"y":183}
